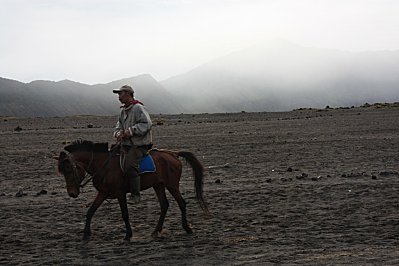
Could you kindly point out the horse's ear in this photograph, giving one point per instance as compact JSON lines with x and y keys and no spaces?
{"x":63,"y":155}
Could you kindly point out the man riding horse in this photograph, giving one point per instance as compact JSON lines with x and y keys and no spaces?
{"x":133,"y":133}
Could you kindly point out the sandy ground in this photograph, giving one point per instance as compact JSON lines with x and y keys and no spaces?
{"x":310,"y":187}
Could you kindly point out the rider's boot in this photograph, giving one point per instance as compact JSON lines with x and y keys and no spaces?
{"x":134,"y":183}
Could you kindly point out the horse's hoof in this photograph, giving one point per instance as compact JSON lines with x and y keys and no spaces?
{"x":156,"y":234}
{"x":128,"y":236}
{"x":188,"y":229}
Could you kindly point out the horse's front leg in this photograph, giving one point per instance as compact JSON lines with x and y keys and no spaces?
{"x":94,"y":206}
{"x":125,"y":215}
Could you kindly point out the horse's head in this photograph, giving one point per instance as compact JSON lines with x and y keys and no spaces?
{"x":73,"y":172}
{"x":79,"y":160}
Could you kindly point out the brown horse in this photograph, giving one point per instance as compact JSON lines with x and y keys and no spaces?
{"x":86,"y":158}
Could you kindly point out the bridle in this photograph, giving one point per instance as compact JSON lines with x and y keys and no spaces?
{"x":77,"y":180}
{"x":88,"y":174}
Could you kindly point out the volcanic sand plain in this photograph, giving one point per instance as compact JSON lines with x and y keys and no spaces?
{"x":309,"y":186}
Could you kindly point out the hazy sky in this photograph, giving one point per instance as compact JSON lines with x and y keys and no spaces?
{"x":98,"y":41}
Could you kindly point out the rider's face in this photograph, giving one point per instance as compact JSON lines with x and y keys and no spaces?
{"x":124,"y":96}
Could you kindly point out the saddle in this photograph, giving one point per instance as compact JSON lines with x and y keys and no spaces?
{"x":146,"y":164}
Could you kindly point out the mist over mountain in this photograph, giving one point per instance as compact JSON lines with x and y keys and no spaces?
{"x":64,"y":98}
{"x":281,"y":76}
{"x":277,"y":76}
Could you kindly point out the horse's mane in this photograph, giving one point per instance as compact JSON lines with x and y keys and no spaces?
{"x":86,"y":145}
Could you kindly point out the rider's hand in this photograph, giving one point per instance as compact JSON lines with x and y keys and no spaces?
{"x":126,"y":134}
{"x":119,"y":135}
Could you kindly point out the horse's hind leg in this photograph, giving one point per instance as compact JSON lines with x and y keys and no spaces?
{"x":125,"y":215}
{"x":163,"y":202}
{"x":182,"y":204}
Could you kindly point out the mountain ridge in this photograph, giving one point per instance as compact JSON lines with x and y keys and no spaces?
{"x":277,"y":76}
{"x":283,"y":76}
{"x":43,"y":98}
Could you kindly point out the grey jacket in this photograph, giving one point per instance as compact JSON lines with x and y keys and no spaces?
{"x":137,"y":120}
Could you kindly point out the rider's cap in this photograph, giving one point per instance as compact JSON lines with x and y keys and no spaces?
{"x":124,"y":88}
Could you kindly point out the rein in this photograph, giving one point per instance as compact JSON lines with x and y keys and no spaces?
{"x":86,"y":172}
{"x":87,"y":181}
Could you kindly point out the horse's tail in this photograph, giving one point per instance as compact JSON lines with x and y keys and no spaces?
{"x":198,"y":171}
